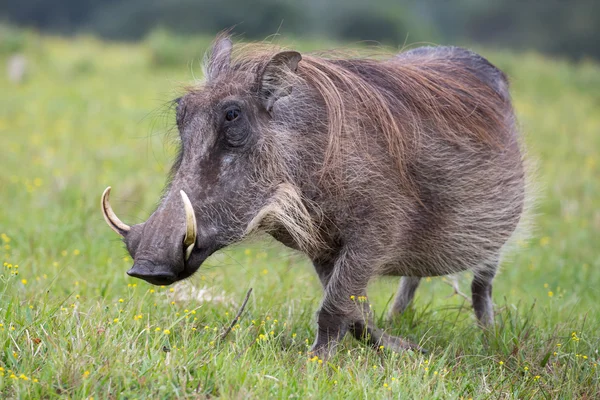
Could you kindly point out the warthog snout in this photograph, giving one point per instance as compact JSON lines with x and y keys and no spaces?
{"x":152,"y":273}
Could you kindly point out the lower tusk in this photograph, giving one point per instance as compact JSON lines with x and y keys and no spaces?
{"x":111,"y":218}
{"x":188,"y":251}
{"x":190,"y":225}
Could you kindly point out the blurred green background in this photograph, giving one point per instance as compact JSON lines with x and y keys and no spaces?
{"x":570,"y":28}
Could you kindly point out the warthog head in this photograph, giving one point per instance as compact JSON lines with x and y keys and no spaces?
{"x":226,"y":181}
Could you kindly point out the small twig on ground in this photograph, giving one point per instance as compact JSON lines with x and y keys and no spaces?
{"x":454,"y":283}
{"x":237,"y":317}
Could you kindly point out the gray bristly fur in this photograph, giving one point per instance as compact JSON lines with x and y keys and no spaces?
{"x":481,"y":289}
{"x":406,"y":292}
{"x":402,"y":166}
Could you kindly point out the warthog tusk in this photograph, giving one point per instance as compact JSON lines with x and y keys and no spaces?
{"x":111,"y":218}
{"x":190,"y":225}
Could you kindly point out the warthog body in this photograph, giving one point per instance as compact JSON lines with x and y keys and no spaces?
{"x":407,"y":166}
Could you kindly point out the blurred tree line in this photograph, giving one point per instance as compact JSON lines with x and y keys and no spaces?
{"x":570,"y":28}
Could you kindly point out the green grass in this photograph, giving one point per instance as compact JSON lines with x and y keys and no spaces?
{"x":92,"y":114}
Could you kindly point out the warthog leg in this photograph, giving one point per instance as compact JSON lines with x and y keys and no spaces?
{"x":405,"y":294}
{"x":331,"y":328}
{"x":481,"y":289}
{"x":333,"y":319}
{"x":345,"y":307}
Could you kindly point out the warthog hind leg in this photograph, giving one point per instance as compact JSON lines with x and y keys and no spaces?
{"x":481,"y":291}
{"x":405,"y":294}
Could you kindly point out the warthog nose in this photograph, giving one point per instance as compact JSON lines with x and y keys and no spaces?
{"x":152,"y":273}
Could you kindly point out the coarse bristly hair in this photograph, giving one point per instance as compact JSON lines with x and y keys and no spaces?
{"x":403,"y":97}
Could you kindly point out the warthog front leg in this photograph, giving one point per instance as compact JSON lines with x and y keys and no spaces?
{"x":345,"y":307}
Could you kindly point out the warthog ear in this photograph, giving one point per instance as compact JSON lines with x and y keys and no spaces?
{"x":274,"y":80}
{"x":219,"y":59}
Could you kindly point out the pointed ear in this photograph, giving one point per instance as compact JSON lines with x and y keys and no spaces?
{"x":220,"y":57}
{"x":274,"y":82}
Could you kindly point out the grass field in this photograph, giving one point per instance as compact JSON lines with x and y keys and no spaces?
{"x":92,"y":114}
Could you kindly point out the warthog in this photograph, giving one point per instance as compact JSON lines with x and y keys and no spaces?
{"x":406,"y":166}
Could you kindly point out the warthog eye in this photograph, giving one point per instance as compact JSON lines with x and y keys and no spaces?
{"x":235,"y":130}
{"x":232,"y":114}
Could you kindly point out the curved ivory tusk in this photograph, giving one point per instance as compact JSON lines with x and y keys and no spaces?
{"x":190,"y":225}
{"x":111,"y":218}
